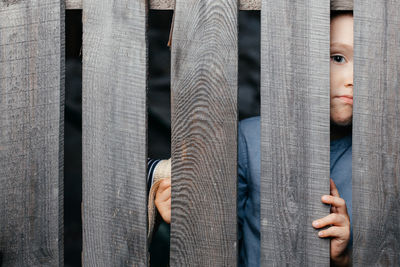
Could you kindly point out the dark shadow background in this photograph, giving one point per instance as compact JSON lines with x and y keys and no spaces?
{"x":159,"y":130}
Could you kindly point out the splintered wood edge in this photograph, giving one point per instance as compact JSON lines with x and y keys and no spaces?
{"x":244,"y":4}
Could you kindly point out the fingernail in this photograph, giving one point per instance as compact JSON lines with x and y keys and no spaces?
{"x":320,"y":233}
{"x":315,"y":223}
{"x":325,"y":198}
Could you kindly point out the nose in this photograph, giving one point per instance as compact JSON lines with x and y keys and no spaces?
{"x":348,"y":82}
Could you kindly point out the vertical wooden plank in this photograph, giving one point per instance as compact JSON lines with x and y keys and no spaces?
{"x":376,"y":134}
{"x":294,"y":131}
{"x":114,"y":133}
{"x":204,"y":133}
{"x":31,"y":132}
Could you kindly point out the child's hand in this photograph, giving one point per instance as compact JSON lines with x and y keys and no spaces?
{"x":163,"y":199}
{"x":339,"y":230}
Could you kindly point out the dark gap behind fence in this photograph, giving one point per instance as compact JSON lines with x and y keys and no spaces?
{"x":159,"y":114}
{"x":73,"y":139}
{"x":159,"y":122}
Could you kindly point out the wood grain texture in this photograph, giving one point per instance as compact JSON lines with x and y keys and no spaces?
{"x":204,"y":133}
{"x":341,"y":4}
{"x":162,"y":4}
{"x":114,"y":133}
{"x":294,"y":131}
{"x":73,"y":4}
{"x":243,"y":4}
{"x":31,"y":132}
{"x":376,"y":134}
{"x":170,"y":4}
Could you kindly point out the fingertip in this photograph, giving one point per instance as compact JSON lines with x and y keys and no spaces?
{"x":165,"y":183}
{"x":325,"y":198}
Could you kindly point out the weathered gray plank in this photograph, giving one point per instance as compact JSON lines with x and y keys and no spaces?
{"x":204,"y":133}
{"x":243,"y":4}
{"x":248,"y":4}
{"x":114,"y":133}
{"x":170,"y":4}
{"x":341,"y":4}
{"x":31,"y":132}
{"x":376,"y":134}
{"x":294,"y":131}
{"x":73,"y":4}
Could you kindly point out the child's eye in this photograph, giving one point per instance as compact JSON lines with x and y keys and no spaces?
{"x":338,"y":58}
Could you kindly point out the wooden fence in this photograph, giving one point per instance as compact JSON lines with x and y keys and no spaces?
{"x":204,"y":123}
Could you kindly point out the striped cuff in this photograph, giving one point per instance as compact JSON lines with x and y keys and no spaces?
{"x":151,"y":166}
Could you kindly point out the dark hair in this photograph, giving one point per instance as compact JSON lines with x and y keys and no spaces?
{"x":336,"y":13}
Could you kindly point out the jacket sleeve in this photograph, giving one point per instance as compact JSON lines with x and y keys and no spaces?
{"x":151,"y":166}
{"x":242,"y":182}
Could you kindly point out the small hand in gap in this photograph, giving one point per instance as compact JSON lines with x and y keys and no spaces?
{"x":339,"y":230}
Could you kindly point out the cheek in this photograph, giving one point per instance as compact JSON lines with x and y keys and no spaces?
{"x":334,"y":78}
{"x":341,"y":113}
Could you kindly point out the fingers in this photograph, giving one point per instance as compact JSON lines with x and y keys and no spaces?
{"x":164,"y":209}
{"x":335,"y":231}
{"x":332,"y":219}
{"x":334,"y":209}
{"x":334,"y":190}
{"x":338,"y":203}
{"x":164,"y":184}
{"x":334,"y":201}
{"x":163,"y":195}
{"x":163,"y":200}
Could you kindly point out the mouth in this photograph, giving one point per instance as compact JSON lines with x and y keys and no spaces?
{"x":346,"y":98}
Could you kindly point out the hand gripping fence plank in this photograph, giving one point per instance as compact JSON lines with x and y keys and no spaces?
{"x":114,"y":133}
{"x":376,"y":134}
{"x":294,"y":131}
{"x":204,"y":133}
{"x":31,"y":132}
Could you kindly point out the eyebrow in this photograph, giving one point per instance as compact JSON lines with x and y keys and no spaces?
{"x":342,"y":45}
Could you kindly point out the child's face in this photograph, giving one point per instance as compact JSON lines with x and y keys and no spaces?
{"x":341,"y":65}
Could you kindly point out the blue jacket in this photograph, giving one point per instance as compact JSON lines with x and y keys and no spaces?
{"x":249,"y":185}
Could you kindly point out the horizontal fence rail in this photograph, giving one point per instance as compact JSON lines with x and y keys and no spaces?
{"x":170,"y":4}
{"x":243,"y":4}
